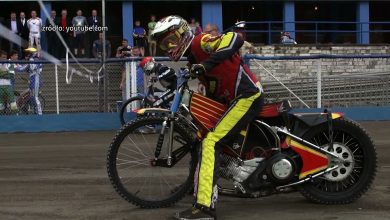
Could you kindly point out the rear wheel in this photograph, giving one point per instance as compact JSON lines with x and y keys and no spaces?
{"x":351,"y":179}
{"x":130,"y":169}
{"x":133,"y":103}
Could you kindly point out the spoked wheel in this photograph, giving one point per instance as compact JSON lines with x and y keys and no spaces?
{"x":133,"y":103}
{"x":351,"y":179}
{"x":135,"y":175}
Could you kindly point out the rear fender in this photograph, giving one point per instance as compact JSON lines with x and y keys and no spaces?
{"x":302,"y":122}
{"x":156,"y":111}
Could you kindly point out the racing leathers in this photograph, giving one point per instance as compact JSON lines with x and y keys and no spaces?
{"x":34,"y":70}
{"x":228,"y":80}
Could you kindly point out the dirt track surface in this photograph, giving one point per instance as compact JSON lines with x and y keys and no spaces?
{"x":63,"y":176}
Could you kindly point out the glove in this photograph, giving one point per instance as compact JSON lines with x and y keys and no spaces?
{"x":197,"y":70}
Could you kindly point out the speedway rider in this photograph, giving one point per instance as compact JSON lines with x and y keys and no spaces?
{"x":34,"y":70}
{"x":217,"y":64}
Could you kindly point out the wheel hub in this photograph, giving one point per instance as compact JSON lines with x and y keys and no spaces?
{"x":345,"y":164}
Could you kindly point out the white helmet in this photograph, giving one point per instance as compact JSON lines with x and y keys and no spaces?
{"x":173,"y":36}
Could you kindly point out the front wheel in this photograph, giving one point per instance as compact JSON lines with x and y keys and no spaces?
{"x":350,"y":180}
{"x":131,"y":167}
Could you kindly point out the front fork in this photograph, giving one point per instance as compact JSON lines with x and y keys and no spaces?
{"x":171,"y":121}
{"x":170,"y":140}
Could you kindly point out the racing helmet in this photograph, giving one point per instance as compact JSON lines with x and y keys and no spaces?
{"x":147,"y":64}
{"x":31,"y":52}
{"x":173,"y":36}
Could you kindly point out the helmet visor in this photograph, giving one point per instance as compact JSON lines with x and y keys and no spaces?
{"x":170,"y":41}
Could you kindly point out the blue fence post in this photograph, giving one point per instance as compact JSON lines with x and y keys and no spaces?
{"x":212,"y":13}
{"x":47,"y":5}
{"x":289,"y":17}
{"x":127,"y":21}
{"x":363,"y":19}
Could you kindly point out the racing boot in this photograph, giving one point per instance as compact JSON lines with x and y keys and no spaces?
{"x":196,"y":213}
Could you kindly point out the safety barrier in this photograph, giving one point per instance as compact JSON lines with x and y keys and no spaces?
{"x":362,"y":90}
{"x":325,"y":80}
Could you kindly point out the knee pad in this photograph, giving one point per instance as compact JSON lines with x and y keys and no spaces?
{"x":2,"y":107}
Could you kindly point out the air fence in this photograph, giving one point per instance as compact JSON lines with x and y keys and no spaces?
{"x":307,"y":81}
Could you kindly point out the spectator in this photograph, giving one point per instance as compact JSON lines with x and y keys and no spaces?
{"x":124,"y":50}
{"x":152,"y":43}
{"x":7,"y":97}
{"x":64,"y":23}
{"x":24,"y":33}
{"x":97,"y":50}
{"x":93,"y":21}
{"x":135,"y":52}
{"x":53,"y":42}
{"x":14,"y":57}
{"x":79,"y":22}
{"x":34,"y":25}
{"x":139,"y":35}
{"x":212,"y":29}
{"x":286,"y":38}
{"x":12,"y":24}
{"x":192,"y":25}
{"x":121,"y":52}
{"x":198,"y":28}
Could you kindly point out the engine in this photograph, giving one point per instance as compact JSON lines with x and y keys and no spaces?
{"x":237,"y":170}
{"x":281,"y":168}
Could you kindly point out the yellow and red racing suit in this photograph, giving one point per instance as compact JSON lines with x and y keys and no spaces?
{"x":228,"y":80}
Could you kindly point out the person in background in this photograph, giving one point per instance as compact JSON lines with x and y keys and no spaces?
{"x":93,"y":21}
{"x":12,"y":24}
{"x":34,"y":70}
{"x":53,"y":42}
{"x":135,"y":52}
{"x":287,"y":39}
{"x":14,"y":57}
{"x":97,"y":50}
{"x":139,"y":35}
{"x":7,"y":97}
{"x":152,"y":43}
{"x":34,"y":25}
{"x":192,"y":25}
{"x":123,"y":51}
{"x":64,"y":23}
{"x":79,"y":21}
{"x":198,"y":28}
{"x":24,"y":33}
{"x":212,"y":29}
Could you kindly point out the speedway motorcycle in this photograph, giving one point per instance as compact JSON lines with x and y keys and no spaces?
{"x":328,"y":158}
